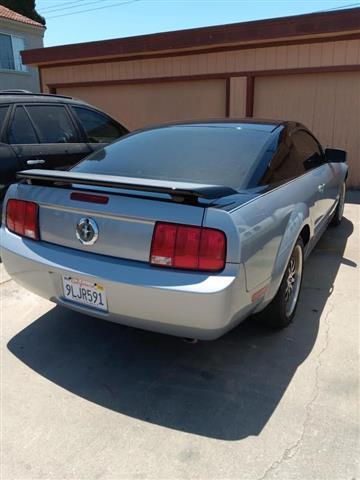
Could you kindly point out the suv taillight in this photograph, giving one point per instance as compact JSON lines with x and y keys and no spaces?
{"x":22,"y":218}
{"x":188,"y":247}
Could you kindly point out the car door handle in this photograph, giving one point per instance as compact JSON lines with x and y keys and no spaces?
{"x":38,"y":161}
{"x":321,"y":187}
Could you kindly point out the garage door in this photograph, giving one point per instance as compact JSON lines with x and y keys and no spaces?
{"x":328,"y":104}
{"x":139,"y":105}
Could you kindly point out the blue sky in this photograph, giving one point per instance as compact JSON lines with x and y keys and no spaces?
{"x":121,"y":18}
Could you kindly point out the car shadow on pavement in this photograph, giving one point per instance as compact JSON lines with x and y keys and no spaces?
{"x":225,"y":389}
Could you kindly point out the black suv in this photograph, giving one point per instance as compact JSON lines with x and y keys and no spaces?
{"x":49,"y":131}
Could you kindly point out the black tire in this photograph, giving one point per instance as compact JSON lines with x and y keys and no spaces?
{"x":281,"y":311}
{"x":338,"y":215}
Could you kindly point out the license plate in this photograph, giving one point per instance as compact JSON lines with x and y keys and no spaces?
{"x":85,"y":293}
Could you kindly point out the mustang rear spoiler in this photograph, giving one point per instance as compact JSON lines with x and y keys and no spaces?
{"x":184,"y":190}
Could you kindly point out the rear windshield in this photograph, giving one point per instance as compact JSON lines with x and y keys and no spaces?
{"x":216,"y":155}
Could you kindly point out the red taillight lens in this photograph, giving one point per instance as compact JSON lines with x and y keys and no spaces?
{"x":212,"y":250}
{"x":188,"y":247}
{"x":187,"y":244}
{"x":22,"y":218}
{"x":163,"y":245}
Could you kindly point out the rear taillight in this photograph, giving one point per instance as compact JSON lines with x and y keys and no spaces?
{"x":22,"y":218}
{"x":188,"y":247}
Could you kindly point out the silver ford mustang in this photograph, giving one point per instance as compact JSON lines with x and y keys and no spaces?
{"x":184,"y":229}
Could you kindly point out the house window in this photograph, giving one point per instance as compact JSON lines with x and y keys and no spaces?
{"x":10,"y":48}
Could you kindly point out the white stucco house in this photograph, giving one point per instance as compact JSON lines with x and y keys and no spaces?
{"x":18,"y":33}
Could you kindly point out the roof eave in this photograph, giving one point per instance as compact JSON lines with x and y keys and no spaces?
{"x":18,"y":24}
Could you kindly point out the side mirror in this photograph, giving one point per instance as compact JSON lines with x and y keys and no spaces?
{"x":333,"y":155}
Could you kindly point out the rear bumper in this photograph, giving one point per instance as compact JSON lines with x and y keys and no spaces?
{"x":174,"y":302}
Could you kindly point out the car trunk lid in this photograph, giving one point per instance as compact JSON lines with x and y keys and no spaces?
{"x":125,"y":222}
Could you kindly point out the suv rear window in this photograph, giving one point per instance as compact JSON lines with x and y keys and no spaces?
{"x":53,"y":123}
{"x":210,"y":154}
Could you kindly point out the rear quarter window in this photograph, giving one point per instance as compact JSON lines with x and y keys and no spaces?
{"x":296,"y":153}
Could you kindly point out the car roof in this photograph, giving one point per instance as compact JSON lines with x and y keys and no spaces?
{"x":23,"y":97}
{"x":265,"y":125}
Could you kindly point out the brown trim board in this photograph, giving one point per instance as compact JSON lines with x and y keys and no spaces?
{"x":227,"y":96}
{"x":250,"y":93}
{"x":347,"y":20}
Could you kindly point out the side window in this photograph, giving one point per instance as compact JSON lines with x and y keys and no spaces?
{"x":99,"y":128}
{"x":53,"y":123}
{"x":295,"y":154}
{"x":10,"y":48}
{"x":21,"y":130}
{"x":6,"y":52}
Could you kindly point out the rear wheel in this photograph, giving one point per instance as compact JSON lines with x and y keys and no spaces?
{"x":338,"y":215}
{"x":281,"y":311}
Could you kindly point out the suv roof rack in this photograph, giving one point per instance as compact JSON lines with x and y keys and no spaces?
{"x":14,"y":90}
{"x":25,"y":92}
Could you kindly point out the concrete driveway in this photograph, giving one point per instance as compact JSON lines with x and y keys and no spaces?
{"x":86,"y":399}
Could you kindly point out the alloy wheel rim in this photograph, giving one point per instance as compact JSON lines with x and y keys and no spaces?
{"x":293,"y":280}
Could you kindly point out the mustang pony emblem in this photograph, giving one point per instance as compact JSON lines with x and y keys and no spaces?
{"x":87,"y":231}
